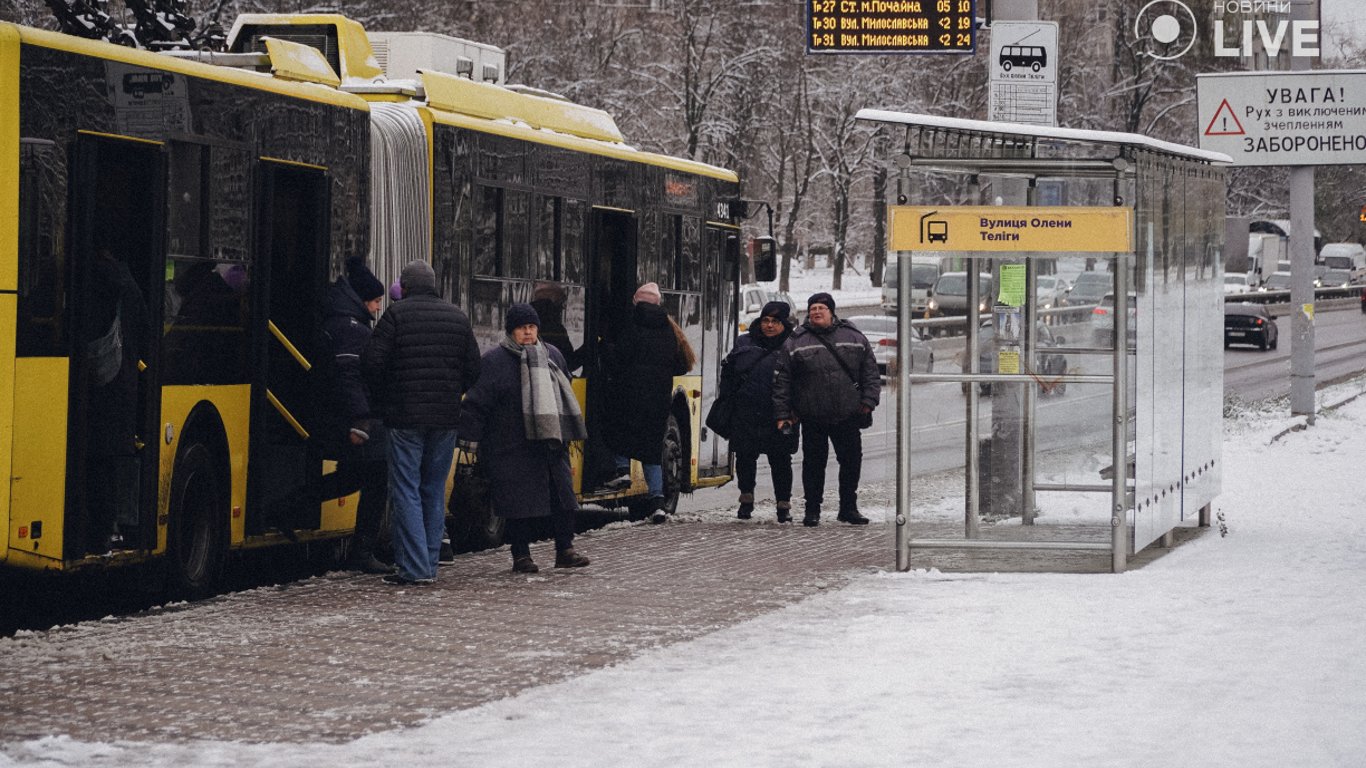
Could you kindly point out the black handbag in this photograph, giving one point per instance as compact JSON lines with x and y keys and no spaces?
{"x":865,"y":420}
{"x":721,"y":415}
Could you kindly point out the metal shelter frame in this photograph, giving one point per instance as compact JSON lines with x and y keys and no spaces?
{"x":979,"y":148}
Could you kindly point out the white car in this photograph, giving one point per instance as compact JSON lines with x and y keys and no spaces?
{"x":1051,"y":291}
{"x":1103,"y":319}
{"x":754,"y":297}
{"x":880,"y":331}
{"x":1236,"y":283}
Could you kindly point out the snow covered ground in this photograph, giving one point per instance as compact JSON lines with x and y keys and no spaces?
{"x":1238,"y":650}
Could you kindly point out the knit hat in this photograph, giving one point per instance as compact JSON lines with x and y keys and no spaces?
{"x":520,"y":315}
{"x":778,"y":310}
{"x":363,"y":281}
{"x":648,"y":293}
{"x":821,"y":298}
{"x":417,"y":276}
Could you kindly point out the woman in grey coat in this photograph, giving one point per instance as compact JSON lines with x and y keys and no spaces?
{"x":520,"y":418}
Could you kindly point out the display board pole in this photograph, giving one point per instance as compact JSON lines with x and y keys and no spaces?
{"x":903,"y":410}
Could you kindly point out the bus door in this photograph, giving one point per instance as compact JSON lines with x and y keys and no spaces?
{"x":611,"y":285}
{"x":721,"y":260}
{"x":285,"y":464}
{"x":117,"y":264}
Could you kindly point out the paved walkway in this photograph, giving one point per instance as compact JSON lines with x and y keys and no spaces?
{"x":337,"y":657}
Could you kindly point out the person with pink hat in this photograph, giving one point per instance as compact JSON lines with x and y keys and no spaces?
{"x":644,"y":359}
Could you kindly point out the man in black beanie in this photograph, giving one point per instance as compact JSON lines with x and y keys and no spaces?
{"x":419,"y":363}
{"x":350,"y":433}
{"x":826,"y":378}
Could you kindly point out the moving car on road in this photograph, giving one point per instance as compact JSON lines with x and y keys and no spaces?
{"x":1246,"y":323}
{"x":882,"y":334}
{"x":1090,"y":287}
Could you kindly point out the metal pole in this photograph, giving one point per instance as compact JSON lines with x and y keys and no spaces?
{"x":903,"y":410}
{"x":1028,"y":508}
{"x":974,"y":468}
{"x":1302,"y":264}
{"x":1119,"y":438}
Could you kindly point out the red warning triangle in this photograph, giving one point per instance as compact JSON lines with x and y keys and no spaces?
{"x":1224,"y":122}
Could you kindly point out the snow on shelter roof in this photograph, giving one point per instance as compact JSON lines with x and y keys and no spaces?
{"x":1027,"y":136}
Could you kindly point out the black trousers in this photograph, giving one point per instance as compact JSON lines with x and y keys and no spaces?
{"x":520,"y":531}
{"x":816,"y":442}
{"x":779,"y":462}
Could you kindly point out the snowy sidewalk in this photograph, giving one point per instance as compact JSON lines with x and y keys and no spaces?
{"x":1244,"y":650}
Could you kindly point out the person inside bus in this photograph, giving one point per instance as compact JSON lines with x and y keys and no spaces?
{"x":114,"y":325}
{"x":421,"y":359}
{"x":519,"y":419}
{"x":644,"y":359}
{"x":351,"y":434}
{"x":747,"y":376}
{"x":549,"y":301}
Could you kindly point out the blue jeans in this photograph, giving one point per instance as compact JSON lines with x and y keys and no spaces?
{"x":654,"y":476}
{"x":419,"y":460}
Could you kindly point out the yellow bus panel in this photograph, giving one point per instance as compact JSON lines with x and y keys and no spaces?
{"x":233,"y":403}
{"x":9,"y":160}
{"x":38,"y":474}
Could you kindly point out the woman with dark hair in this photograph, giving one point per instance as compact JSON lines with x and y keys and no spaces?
{"x":519,"y":419}
{"x":747,"y":376}
{"x":644,"y":360}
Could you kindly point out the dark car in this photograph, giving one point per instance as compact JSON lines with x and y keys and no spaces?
{"x":1048,"y":365}
{"x":1249,"y":324}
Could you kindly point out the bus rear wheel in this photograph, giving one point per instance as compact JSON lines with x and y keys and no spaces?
{"x":198,"y":539}
{"x":674,"y":464}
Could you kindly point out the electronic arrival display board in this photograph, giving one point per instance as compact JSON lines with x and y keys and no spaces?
{"x":890,"y":26}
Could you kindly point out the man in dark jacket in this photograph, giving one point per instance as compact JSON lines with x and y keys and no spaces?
{"x":420,"y":361}
{"x":827,"y":378}
{"x":352,"y":436}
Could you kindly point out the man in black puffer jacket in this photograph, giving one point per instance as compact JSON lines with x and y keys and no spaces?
{"x":830,"y":396}
{"x":419,"y":363}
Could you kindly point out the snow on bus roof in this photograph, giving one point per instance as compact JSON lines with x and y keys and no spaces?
{"x":1035,"y":132}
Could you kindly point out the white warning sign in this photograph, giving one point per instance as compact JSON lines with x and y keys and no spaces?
{"x":1307,"y":117}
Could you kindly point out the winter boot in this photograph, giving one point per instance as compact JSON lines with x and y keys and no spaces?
{"x":568,"y":558}
{"x":851,"y":516}
{"x":784,"y":511}
{"x":447,"y":555}
{"x":812,"y":518}
{"x":362,"y":558}
{"x":525,"y":564}
{"x":746,"y":510}
{"x":658,"y":515}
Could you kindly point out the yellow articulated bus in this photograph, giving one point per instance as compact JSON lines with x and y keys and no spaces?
{"x":170,"y":224}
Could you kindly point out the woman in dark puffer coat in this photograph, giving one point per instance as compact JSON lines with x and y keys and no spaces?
{"x":644,"y":360}
{"x":747,"y":375}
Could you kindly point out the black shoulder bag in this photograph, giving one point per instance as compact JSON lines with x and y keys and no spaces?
{"x":865,"y":420}
{"x":721,"y":415}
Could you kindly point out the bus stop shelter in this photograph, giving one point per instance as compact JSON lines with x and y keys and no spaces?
{"x":1086,"y":427}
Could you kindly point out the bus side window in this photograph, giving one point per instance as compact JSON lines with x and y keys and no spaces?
{"x":488,"y":246}
{"x":42,"y":261}
{"x":515,"y":223}
{"x":573,"y":222}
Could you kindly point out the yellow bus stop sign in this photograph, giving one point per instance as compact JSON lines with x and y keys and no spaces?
{"x":1012,"y":228}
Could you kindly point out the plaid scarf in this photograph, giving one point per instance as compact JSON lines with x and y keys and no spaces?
{"x":549,"y":410}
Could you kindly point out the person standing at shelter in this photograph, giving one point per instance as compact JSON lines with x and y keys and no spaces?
{"x":827,"y":379}
{"x":420,"y":361}
{"x":353,"y":437}
{"x":519,"y":419}
{"x":747,"y":376}
{"x":644,"y":359}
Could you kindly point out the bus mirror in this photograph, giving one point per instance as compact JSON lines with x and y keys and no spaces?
{"x":765,"y":259}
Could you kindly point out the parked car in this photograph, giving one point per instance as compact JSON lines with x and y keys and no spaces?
{"x":1236,"y":283}
{"x":1103,"y":320}
{"x":1050,"y":291}
{"x":1048,"y":365}
{"x":949,"y":296}
{"x":753,"y":298}
{"x":1090,"y":288}
{"x":1277,"y":281}
{"x":923,"y":275}
{"x":1246,"y":323}
{"x":882,"y":334}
